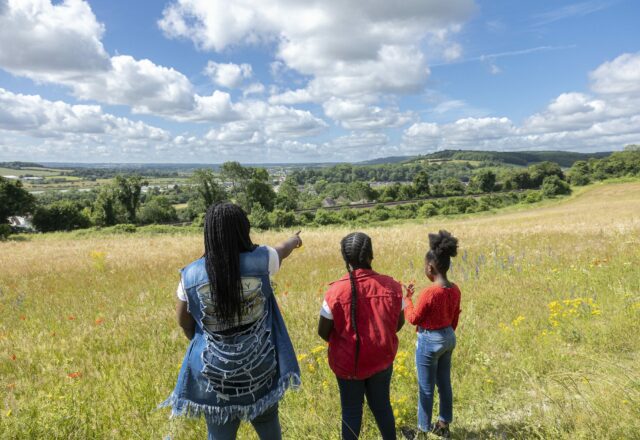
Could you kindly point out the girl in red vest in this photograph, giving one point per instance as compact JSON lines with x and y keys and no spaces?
{"x":435,"y":315}
{"x":360,"y":316}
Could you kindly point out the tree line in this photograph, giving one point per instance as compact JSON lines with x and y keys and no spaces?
{"x":123,"y":201}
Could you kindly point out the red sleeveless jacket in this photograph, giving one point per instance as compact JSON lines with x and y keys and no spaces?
{"x":378,"y":310}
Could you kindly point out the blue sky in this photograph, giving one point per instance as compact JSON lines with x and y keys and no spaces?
{"x":289,"y":81}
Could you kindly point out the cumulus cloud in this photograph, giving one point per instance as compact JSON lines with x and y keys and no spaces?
{"x":228,"y":75}
{"x":358,"y":115}
{"x":141,"y":84}
{"x":70,"y":131}
{"x":253,"y":89}
{"x":49,"y":42}
{"x":607,"y":119}
{"x":43,"y":118}
{"x":619,"y":76}
{"x":347,"y":49}
{"x":61,"y":43}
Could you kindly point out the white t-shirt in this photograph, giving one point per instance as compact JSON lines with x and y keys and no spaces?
{"x":325,"y":311}
{"x":274,"y":266}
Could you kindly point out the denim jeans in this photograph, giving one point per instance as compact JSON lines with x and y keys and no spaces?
{"x":376,"y":388}
{"x":267,"y":425}
{"x":433,"y":362}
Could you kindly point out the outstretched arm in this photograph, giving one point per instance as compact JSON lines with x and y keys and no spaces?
{"x":285,"y":248}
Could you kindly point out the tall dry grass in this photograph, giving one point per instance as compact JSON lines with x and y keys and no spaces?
{"x":548,"y":342}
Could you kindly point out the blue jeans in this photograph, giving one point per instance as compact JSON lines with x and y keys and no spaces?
{"x":267,"y":425}
{"x":376,"y":388}
{"x":433,"y":362}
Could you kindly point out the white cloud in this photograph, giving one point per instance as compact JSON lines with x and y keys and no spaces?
{"x":141,"y":84}
{"x":347,"y":48}
{"x":473,"y":133}
{"x":49,"y":42}
{"x":453,"y":52}
{"x":358,"y":115}
{"x":60,"y":43}
{"x":253,"y":89}
{"x":228,"y":75}
{"x":43,"y":118}
{"x":41,"y":129}
{"x":608,"y":120}
{"x":620,"y":76}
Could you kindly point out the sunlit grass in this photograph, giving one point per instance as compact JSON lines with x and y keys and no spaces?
{"x":548,"y":342}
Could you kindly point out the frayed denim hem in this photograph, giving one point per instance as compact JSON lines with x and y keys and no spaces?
{"x":222,"y":414}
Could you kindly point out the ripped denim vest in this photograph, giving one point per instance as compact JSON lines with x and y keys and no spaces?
{"x":239,"y":374}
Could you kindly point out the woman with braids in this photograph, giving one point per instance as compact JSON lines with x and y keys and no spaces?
{"x":240,"y":360}
{"x":360,"y":316}
{"x":435,"y":316}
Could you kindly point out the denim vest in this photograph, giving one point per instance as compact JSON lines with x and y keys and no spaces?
{"x":239,"y":375}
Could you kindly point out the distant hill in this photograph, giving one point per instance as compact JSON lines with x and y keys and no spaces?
{"x":522,"y":158}
{"x":385,"y":160}
{"x":19,"y":165}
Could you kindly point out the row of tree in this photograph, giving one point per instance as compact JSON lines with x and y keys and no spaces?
{"x":123,"y":200}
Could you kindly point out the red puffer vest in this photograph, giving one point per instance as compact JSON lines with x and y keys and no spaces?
{"x":378,"y":309}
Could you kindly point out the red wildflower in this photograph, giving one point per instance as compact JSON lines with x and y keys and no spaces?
{"x":71,"y":318}
{"x":13,"y":357}
{"x":74,"y":375}
{"x":99,"y":321}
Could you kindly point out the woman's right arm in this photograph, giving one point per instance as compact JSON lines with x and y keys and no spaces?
{"x":285,"y":248}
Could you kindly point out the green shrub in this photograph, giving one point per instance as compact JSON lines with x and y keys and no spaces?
{"x":324,"y":217}
{"x":63,"y":215}
{"x":5,"y":231}
{"x":158,"y":210}
{"x":533,"y":197}
{"x":280,"y":218}
{"x":553,"y":186}
{"x":380,"y":213}
{"x":123,"y":228}
{"x":429,"y":209}
{"x":259,"y":217}
{"x":348,"y":214}
{"x":305,"y":218}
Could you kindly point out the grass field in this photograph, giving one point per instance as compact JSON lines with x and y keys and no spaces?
{"x":548,"y":342}
{"x":33,"y":171}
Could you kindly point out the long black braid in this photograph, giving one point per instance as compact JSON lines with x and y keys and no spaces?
{"x":357,"y":252}
{"x":226,"y":235}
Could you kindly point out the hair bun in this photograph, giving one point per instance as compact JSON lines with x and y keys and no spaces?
{"x":443,"y":244}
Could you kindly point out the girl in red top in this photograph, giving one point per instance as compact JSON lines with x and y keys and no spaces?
{"x":360,"y":316}
{"x":436,"y":316}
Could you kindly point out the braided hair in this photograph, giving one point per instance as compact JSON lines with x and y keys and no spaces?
{"x":442,"y":246}
{"x":226,"y":235}
{"x":357,"y":252}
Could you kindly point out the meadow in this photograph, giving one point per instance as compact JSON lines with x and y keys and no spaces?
{"x":548,"y":342}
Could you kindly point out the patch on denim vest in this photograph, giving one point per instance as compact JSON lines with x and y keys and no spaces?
{"x":252,"y":305}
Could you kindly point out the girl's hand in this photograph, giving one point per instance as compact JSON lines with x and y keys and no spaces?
{"x":410,"y":288}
